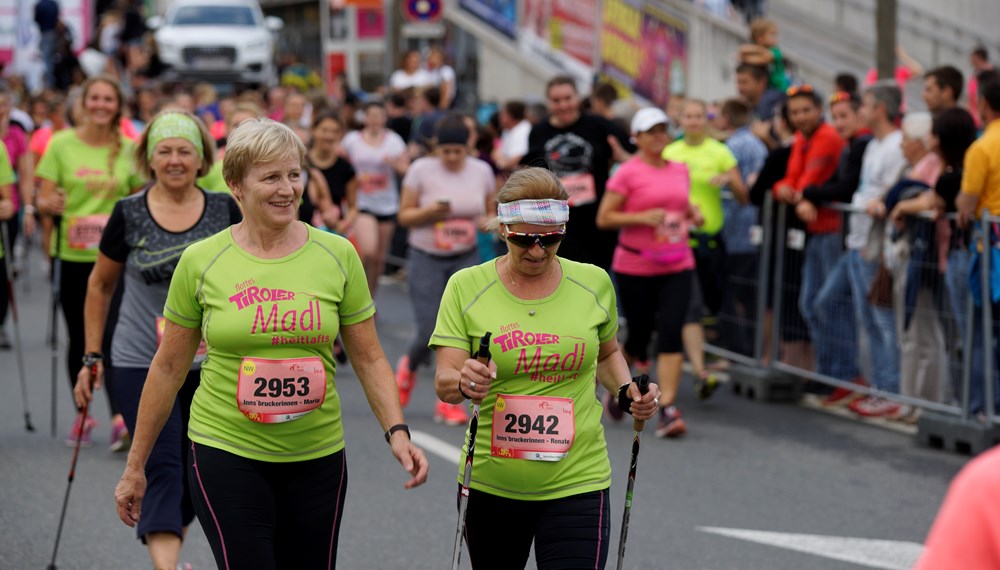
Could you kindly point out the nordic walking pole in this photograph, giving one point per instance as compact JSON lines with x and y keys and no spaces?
{"x":637,"y":425}
{"x":54,"y":315}
{"x":72,"y":475}
{"x":463,"y":502}
{"x":17,"y":327}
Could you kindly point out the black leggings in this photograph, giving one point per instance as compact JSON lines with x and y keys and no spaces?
{"x":4,"y":291}
{"x":73,"y":278}
{"x":262,"y":515}
{"x":572,"y":532}
{"x":658,"y":302}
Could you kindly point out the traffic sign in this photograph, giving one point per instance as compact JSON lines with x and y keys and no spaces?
{"x":423,"y":11}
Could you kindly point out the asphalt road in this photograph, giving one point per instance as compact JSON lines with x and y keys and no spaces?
{"x":751,"y":486}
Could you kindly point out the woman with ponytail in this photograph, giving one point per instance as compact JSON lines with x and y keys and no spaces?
{"x":84,"y":173}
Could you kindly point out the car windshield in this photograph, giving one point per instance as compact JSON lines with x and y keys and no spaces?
{"x":213,"y":16}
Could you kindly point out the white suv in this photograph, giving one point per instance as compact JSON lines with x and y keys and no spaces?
{"x":217,"y":41}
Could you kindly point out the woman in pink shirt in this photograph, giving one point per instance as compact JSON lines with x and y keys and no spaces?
{"x":648,"y":199}
{"x":445,"y":199}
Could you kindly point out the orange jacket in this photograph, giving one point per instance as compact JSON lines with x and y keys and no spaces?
{"x":812,"y":162}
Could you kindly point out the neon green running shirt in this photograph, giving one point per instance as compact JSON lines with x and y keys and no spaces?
{"x":544,"y":349}
{"x":704,"y":162}
{"x":253,"y":311}
{"x":7,"y":178}
{"x":81,"y":171}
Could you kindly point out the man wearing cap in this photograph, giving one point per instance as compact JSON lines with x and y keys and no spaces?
{"x":574,"y":145}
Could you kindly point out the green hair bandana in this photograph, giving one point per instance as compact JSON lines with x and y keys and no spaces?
{"x":173,"y":125}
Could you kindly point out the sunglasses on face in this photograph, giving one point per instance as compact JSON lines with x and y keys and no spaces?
{"x":527,"y":241}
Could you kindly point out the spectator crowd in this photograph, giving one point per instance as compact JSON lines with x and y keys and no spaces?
{"x":879,"y":202}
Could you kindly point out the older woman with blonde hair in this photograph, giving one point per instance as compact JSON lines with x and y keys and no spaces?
{"x":268,"y":296}
{"x":553,"y":323}
{"x":169,"y":215}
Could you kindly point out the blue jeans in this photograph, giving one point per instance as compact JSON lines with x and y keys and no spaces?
{"x":977,"y":394}
{"x":835,"y":338}
{"x":879,"y":324}
{"x":957,"y":284}
{"x":822,"y":252}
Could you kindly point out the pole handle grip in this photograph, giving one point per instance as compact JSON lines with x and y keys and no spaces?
{"x":643,"y":382}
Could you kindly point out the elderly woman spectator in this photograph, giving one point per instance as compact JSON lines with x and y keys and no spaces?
{"x":923,"y":361}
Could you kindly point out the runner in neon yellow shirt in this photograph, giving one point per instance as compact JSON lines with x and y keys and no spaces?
{"x":83,"y":174}
{"x":7,"y":211}
{"x":541,"y":465}
{"x":268,"y":296}
{"x":7,"y":180}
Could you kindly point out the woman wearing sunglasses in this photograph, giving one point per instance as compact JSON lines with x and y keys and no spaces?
{"x":444,"y":203}
{"x":648,"y":198}
{"x":553,"y":324}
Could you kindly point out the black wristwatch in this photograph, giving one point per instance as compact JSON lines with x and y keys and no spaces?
{"x":92,"y":358}
{"x":395,"y":428}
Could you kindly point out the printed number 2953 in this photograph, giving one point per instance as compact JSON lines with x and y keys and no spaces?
{"x":276,"y":387}
{"x":523,"y":424}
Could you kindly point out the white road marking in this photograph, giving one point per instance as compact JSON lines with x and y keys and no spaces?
{"x":438,"y":447}
{"x":886,"y":554}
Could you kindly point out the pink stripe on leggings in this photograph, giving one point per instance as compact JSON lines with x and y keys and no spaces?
{"x":197,"y":474}
{"x":600,"y":521}
{"x":336,"y":512}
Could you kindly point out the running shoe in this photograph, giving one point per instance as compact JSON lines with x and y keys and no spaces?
{"x":705,"y":385}
{"x":670,"y":424}
{"x":405,"y":379}
{"x":88,"y":425}
{"x":120,"y":438}
{"x":843,"y":396}
{"x":450,"y":414}
{"x":875,"y":407}
{"x":611,"y":405}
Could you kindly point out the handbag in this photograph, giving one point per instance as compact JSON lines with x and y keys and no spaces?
{"x":880,"y":293}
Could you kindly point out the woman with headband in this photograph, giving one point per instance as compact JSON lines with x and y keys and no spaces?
{"x":553,"y":323}
{"x":444,"y":203}
{"x":143,"y":240}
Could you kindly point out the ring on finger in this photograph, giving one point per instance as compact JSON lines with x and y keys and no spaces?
{"x":472,"y":384}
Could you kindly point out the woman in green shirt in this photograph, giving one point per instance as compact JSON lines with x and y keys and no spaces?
{"x":541,"y":472}
{"x":268,"y":296}
{"x":84,"y":172}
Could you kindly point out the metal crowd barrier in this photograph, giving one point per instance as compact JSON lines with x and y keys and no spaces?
{"x":941,"y":345}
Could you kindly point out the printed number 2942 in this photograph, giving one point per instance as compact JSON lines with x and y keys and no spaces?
{"x":276,"y":387}
{"x":523,"y":424}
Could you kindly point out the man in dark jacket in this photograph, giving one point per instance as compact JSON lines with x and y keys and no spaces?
{"x":832,"y":305}
{"x":47,"y":18}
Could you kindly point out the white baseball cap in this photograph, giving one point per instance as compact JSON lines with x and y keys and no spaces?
{"x":648,"y":118}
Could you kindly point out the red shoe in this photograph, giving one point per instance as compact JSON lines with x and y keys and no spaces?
{"x":405,"y":379}
{"x":450,"y":414}
{"x":671,"y":424}
{"x":88,"y":426}
{"x":120,"y":438}
{"x":874,"y":407}
{"x":843,"y":396}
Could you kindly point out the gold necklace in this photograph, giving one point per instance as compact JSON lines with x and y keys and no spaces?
{"x":548,"y":278}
